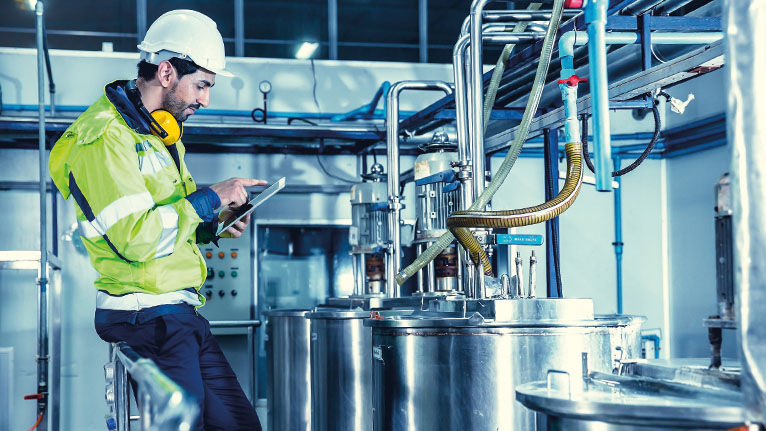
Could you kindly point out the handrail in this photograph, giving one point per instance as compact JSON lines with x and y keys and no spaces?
{"x":163,"y":404}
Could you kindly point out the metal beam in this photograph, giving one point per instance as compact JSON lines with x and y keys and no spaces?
{"x":239,"y":28}
{"x":332,"y":28}
{"x":423,"y":29}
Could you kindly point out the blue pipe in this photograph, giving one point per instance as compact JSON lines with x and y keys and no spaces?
{"x":595,"y":18}
{"x":618,"y":245}
{"x":656,"y":340}
{"x":368,"y":109}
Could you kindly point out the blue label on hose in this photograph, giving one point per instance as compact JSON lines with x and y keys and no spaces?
{"x":518,"y":239}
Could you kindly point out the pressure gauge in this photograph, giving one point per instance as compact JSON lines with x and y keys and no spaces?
{"x":264,"y":86}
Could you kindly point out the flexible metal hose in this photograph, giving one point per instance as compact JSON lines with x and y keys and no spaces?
{"x":513,"y":153}
{"x":460,"y":220}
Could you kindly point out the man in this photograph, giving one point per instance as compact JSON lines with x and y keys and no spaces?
{"x":141,"y":216}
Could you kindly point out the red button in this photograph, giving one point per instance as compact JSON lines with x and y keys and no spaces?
{"x":209,"y":254}
{"x":221,"y":254}
{"x":234,"y":254}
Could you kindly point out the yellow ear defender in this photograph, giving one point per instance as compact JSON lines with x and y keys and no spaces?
{"x":166,"y":127}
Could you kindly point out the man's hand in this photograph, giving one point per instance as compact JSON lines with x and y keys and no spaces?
{"x":232,"y":191}
{"x":237,"y":229}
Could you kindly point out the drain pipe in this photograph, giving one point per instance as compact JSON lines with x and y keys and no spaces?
{"x":599,"y":92}
{"x":392,"y":154}
{"x":42,"y":280}
{"x":618,"y":244}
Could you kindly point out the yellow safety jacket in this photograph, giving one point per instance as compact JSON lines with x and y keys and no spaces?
{"x":130,"y":203}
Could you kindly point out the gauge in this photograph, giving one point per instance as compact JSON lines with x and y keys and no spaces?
{"x":265,"y":86}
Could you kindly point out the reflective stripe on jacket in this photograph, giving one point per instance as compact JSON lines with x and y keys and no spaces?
{"x":130,"y":203}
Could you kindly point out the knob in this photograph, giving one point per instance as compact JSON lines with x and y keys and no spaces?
{"x":209,"y":294}
{"x":234,"y":274}
{"x":221,"y":274}
{"x":233,"y":254}
{"x":221,"y":254}
{"x":221,"y":293}
{"x":233,"y":292}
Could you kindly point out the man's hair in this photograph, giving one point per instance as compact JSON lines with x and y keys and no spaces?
{"x":148,"y":70}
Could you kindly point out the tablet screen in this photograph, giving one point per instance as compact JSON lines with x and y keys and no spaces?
{"x":251,"y":206}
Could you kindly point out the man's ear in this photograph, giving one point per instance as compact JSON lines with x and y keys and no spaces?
{"x":166,"y":74}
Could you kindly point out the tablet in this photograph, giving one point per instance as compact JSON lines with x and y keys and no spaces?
{"x":252,"y":205}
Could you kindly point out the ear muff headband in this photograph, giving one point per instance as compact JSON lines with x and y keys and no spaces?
{"x":162,"y":124}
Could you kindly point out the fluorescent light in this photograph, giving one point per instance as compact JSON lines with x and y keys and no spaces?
{"x":306,"y":50}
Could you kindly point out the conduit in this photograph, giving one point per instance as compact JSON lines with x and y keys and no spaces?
{"x":513,"y":153}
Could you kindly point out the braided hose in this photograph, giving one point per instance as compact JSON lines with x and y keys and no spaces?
{"x":459,"y":221}
{"x":513,"y":153}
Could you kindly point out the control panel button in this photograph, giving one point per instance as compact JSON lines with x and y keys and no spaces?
{"x":233,"y":293}
{"x":210,"y":273}
{"x":234,"y":274}
{"x":209,"y":294}
{"x":221,"y":254}
{"x":221,"y":293}
{"x":209,"y":254}
{"x":221,"y":274}
{"x":234,"y":255}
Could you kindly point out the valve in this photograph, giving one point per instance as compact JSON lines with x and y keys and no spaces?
{"x":572,"y":81}
{"x":573,"y":4}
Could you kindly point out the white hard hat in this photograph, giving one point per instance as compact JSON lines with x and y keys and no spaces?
{"x":185,"y":34}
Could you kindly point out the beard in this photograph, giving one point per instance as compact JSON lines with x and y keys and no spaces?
{"x":176,"y":106}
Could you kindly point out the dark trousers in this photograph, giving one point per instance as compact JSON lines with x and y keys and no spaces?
{"x":183,"y":348}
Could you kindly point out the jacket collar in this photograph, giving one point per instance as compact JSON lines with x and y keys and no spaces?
{"x":115,"y":92}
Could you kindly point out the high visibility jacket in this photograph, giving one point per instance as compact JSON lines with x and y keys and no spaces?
{"x":130,"y":203}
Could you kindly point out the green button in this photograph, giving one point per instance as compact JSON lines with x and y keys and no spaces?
{"x":234,"y":273}
{"x":221,"y":274}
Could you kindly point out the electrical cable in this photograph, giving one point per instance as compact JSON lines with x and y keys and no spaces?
{"x":644,"y":154}
{"x":324,"y":169}
{"x":314,"y":89}
{"x":39,"y":419}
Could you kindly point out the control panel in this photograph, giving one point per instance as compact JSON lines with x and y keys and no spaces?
{"x":229,"y":285}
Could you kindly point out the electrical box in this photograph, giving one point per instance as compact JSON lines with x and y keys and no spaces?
{"x":229,"y":285}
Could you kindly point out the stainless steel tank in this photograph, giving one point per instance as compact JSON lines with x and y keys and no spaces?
{"x":341,"y":363}
{"x":288,"y":370}
{"x":655,"y":396}
{"x":455,"y":369}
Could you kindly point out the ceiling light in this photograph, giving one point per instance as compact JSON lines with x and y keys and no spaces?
{"x":306,"y":50}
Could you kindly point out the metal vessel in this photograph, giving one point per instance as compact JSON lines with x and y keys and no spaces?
{"x":341,"y":363}
{"x":288,"y":370}
{"x":456,"y":367}
{"x":657,"y":396}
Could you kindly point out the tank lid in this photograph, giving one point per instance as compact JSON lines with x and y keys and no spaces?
{"x":339,"y":314}
{"x":286,"y":312}
{"x":519,"y":309}
{"x":633,"y":400}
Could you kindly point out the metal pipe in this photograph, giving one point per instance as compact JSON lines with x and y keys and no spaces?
{"x":235,"y":323}
{"x":595,"y":18}
{"x":140,"y":20}
{"x":531,"y":293}
{"x":465,"y":153}
{"x":746,"y":106}
{"x":392,"y":155}
{"x":618,"y":245}
{"x":476,"y":94}
{"x":42,"y":281}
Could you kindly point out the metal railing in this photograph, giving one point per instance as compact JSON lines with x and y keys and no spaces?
{"x":163,"y":405}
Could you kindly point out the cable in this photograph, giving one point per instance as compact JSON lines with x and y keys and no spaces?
{"x":314,"y":89}
{"x":309,"y":122}
{"x":39,"y":419}
{"x":321,"y":166}
{"x":644,"y":154}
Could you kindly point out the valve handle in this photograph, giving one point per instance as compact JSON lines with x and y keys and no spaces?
{"x":573,"y":4}
{"x":572,"y":81}
{"x":33,"y":397}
